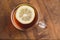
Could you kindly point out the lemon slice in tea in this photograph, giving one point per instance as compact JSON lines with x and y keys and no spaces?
{"x":25,"y":14}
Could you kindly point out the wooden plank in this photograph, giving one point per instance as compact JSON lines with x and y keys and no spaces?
{"x":53,"y":7}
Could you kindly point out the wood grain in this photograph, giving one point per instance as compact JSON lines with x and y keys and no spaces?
{"x":49,"y":11}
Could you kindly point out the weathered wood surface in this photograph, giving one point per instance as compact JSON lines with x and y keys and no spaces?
{"x":49,"y":10}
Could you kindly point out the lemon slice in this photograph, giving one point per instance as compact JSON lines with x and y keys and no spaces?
{"x":25,"y":14}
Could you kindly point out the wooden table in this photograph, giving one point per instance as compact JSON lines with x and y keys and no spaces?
{"x":49,"y":10}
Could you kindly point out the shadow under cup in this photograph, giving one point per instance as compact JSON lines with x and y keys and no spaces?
{"x":19,"y":25}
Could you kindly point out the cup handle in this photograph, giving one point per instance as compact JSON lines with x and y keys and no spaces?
{"x":42,"y":24}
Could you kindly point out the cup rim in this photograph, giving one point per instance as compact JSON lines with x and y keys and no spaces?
{"x":12,"y":19}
